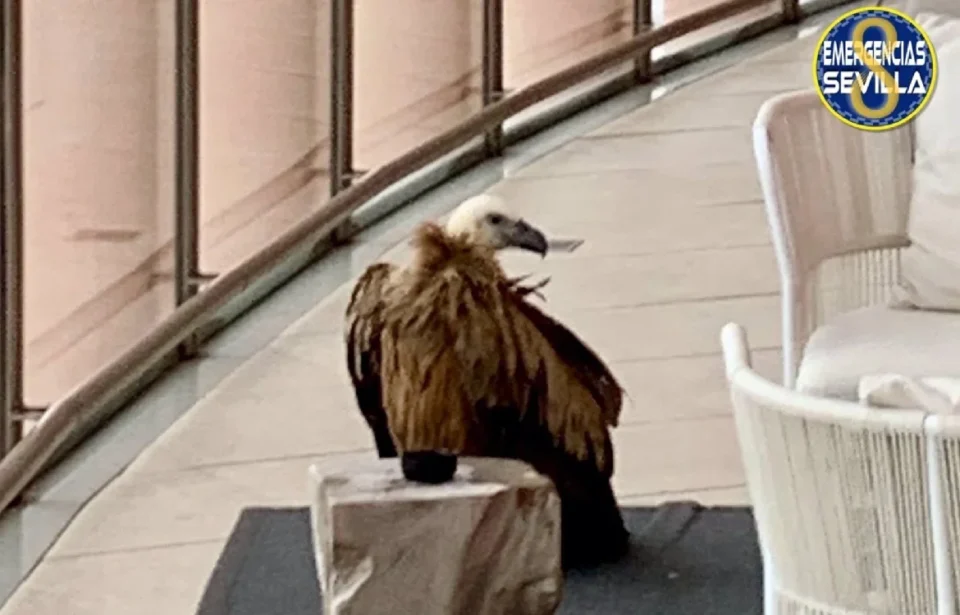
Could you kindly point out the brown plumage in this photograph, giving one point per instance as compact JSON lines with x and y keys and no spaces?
{"x":449,"y":354}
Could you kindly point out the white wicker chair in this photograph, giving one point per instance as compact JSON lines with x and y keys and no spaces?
{"x":837,"y":202}
{"x":840,"y":492}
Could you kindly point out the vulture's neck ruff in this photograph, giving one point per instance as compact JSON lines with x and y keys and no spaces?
{"x":437,"y":250}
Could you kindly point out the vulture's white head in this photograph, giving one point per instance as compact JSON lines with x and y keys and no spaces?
{"x":485,"y":220}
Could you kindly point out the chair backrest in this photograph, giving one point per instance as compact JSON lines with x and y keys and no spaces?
{"x":840,"y":494}
{"x":829,"y":188}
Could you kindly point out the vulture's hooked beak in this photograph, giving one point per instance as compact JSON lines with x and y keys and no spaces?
{"x":526,"y":237}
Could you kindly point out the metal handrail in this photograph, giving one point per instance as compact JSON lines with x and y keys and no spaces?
{"x":73,"y":415}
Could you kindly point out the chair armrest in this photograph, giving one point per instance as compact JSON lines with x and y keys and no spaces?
{"x":830,"y":190}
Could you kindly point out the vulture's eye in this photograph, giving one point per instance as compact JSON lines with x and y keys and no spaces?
{"x":496,"y":219}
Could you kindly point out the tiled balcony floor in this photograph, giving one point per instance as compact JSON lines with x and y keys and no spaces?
{"x":667,"y":201}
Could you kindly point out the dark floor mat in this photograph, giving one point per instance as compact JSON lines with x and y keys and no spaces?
{"x":684,"y":560}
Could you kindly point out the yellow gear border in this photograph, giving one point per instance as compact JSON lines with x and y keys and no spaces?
{"x":933,"y":81}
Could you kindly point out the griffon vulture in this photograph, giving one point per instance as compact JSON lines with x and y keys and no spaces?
{"x":448,"y":354}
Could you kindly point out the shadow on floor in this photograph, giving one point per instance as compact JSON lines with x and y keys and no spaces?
{"x":685,"y":559}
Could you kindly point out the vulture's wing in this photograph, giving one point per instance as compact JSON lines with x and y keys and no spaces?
{"x":580,"y":396}
{"x":470,"y":366}
{"x":363,"y":328}
{"x":466,"y":359}
{"x":588,"y":368}
{"x":575,"y":399}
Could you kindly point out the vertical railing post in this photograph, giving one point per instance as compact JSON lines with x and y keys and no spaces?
{"x":187,"y":152}
{"x":341,"y":95}
{"x":493,"y":68}
{"x":186,"y":254}
{"x":791,"y":11}
{"x":642,"y":21}
{"x":11,"y":228}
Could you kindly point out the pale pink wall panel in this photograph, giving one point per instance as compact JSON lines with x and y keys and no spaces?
{"x":669,"y":10}
{"x":99,"y":132}
{"x":417,"y":72}
{"x":264,"y":121}
{"x":92,"y":137}
{"x":543,"y":36}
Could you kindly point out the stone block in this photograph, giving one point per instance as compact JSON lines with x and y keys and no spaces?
{"x":485,"y":543}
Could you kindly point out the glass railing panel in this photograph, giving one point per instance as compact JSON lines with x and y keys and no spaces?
{"x":98,"y":89}
{"x":264,"y":117}
{"x":544,"y":36}
{"x":664,"y":11}
{"x":417,"y":72}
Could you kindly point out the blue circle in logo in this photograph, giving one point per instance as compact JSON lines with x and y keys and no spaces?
{"x":875,"y":68}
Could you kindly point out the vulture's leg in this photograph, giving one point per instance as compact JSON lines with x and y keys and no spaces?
{"x":386,"y":448}
{"x":376,"y":418}
{"x":369,"y":400}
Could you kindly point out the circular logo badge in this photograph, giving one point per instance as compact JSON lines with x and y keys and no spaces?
{"x":875,"y":68}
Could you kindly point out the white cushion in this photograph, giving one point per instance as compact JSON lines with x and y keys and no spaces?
{"x":937,"y":395}
{"x":879,"y":340}
{"x":931,"y":266}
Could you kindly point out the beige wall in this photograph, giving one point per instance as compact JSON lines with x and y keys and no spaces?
{"x":264,"y":101}
{"x":94,"y":140}
{"x":417,"y":72}
{"x":99,"y":122}
{"x":543,"y":36}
